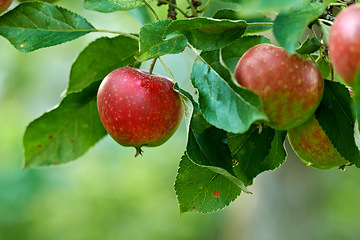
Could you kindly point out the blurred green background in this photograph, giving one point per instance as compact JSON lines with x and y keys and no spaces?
{"x":109,"y":194}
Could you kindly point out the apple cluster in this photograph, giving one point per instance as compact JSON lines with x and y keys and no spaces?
{"x":141,"y":109}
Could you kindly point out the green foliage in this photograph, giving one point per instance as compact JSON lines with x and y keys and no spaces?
{"x":152,"y":43}
{"x":34,"y":25}
{"x":108,"y":6}
{"x":227,"y":145}
{"x":201,"y":189}
{"x":66,"y":132}
{"x":99,"y":58}
{"x":336,"y":118}
{"x":290,"y":24}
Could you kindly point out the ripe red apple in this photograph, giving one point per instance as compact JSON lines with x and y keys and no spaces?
{"x":137,"y":108}
{"x":313,"y":147}
{"x":4,"y":5}
{"x":344,"y":44}
{"x":290,"y":86}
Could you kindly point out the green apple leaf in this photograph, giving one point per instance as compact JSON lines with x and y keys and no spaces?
{"x":356,"y":105}
{"x":108,"y":6}
{"x":207,"y":147}
{"x":66,"y":132}
{"x":202,"y":190}
{"x":242,"y":15}
{"x":99,"y":58}
{"x":289,"y":25}
{"x":324,"y":67}
{"x":224,"y":104}
{"x":255,"y":6}
{"x":206,"y":33}
{"x":325,"y":30}
{"x":189,"y":104}
{"x":254,"y":152}
{"x":232,"y":53}
{"x":153,"y":45}
{"x":34,"y":25}
{"x":336,"y":119}
{"x":311,"y":45}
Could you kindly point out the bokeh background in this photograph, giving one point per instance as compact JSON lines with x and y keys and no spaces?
{"x":108,"y":194}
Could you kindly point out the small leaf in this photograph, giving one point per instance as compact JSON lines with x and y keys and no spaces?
{"x":324,"y":67}
{"x":289,"y":25}
{"x":66,"y":132}
{"x":223,"y":107}
{"x":206,"y":33}
{"x":311,"y":45}
{"x":242,"y":15}
{"x":108,"y":6}
{"x":152,"y":44}
{"x":254,"y":152}
{"x":325,"y":30}
{"x":335,"y":117}
{"x":189,"y":104}
{"x":34,"y":25}
{"x":99,"y":58}
{"x":202,"y":190}
{"x":232,"y":53}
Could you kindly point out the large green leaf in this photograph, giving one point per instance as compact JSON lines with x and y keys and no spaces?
{"x":153,"y":45}
{"x":263,"y":23}
{"x":289,"y":25}
{"x":206,"y":33}
{"x":232,"y":53}
{"x":66,"y":132}
{"x":99,"y":58}
{"x":108,"y":6}
{"x":224,"y":104}
{"x":202,"y":190}
{"x":255,"y":152}
{"x":336,"y":119}
{"x":207,"y":147}
{"x":34,"y":25}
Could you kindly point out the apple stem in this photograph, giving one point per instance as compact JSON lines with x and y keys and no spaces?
{"x":152,"y":65}
{"x":168,"y":70}
{"x":138,"y":151}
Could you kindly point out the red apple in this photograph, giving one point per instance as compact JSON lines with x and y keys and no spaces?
{"x":4,"y":5}
{"x":137,"y":108}
{"x":344,"y":43}
{"x":290,"y":86}
{"x":313,"y":147}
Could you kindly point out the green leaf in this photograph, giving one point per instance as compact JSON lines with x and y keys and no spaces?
{"x":108,"y":6}
{"x":189,"y":105}
{"x":325,"y":30}
{"x":34,"y":25}
{"x":255,"y":6}
{"x":153,"y":45}
{"x":241,"y":15}
{"x":206,"y":33}
{"x":232,"y":53}
{"x":202,"y":190}
{"x":311,"y":45}
{"x":99,"y":58}
{"x":224,"y":104}
{"x":66,"y":132}
{"x":207,"y":147}
{"x":324,"y":67}
{"x":289,"y":25}
{"x":335,"y":117}
{"x":254,"y":152}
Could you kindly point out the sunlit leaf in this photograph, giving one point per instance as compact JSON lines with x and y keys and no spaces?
{"x":153,"y":45}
